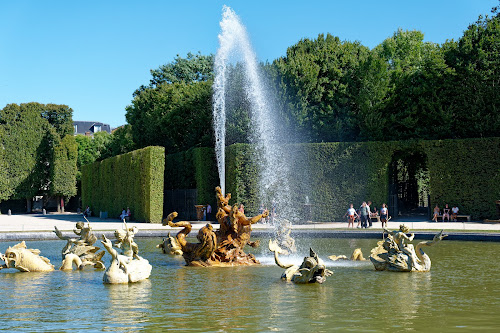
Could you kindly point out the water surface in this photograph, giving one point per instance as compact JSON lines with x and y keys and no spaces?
{"x":459,"y":293}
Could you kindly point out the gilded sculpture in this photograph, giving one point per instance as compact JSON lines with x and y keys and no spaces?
{"x":126,"y":265}
{"x":80,"y":251}
{"x":394,"y":253}
{"x":311,"y":270}
{"x":25,"y":260}
{"x":195,"y":254}
{"x":222,"y":247}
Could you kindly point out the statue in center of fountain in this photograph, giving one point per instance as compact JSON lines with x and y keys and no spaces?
{"x":223,"y":247}
{"x":234,"y":232}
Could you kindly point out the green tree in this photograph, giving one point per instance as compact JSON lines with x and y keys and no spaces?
{"x":318,"y":86}
{"x":29,"y":134}
{"x":25,"y":141}
{"x":193,"y":68}
{"x":64,"y":169}
{"x":177,"y":116}
{"x":476,"y":95}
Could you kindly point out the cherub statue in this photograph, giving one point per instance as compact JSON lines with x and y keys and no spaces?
{"x":126,"y":265}
{"x":125,"y":241}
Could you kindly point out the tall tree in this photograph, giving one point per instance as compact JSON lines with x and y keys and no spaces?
{"x":64,"y":169}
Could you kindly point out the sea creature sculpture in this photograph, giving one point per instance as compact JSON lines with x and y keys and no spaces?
{"x":394,"y":254}
{"x":170,"y":245}
{"x":25,"y":260}
{"x":195,"y":254}
{"x":311,"y":270}
{"x":126,"y":265}
{"x":80,"y":251}
{"x":357,"y":255}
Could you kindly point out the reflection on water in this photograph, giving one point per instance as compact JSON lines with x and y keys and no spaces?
{"x":459,"y":292}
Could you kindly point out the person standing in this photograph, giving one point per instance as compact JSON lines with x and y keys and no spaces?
{"x":209,"y":212}
{"x":365,"y":215}
{"x":384,"y":213}
{"x":351,"y":214}
{"x":436,"y":213}
{"x":368,"y":204}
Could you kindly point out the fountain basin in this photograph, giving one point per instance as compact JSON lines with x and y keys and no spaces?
{"x":456,"y":293}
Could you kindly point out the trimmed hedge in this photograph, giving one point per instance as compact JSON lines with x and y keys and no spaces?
{"x":462,"y":172}
{"x":465,"y":173}
{"x":133,"y":180}
{"x":331,"y":175}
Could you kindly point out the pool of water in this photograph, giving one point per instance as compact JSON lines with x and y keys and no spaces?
{"x":460,"y":292}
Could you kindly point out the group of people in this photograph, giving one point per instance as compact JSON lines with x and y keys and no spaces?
{"x":446,"y":213}
{"x":125,"y":213}
{"x":364,"y":215}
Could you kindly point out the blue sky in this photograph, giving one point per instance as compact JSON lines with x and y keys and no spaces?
{"x":92,"y":55}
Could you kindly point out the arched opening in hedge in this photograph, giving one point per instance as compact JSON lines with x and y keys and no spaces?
{"x":409,"y":183}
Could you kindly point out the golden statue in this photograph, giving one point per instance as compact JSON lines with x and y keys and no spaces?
{"x":311,"y":270}
{"x":25,"y":260}
{"x":195,"y":254}
{"x":395,"y":254}
{"x":80,"y":251}
{"x":126,"y":265}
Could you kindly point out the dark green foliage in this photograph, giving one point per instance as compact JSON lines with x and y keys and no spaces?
{"x":133,"y":180}
{"x":63,"y":175}
{"x":176,"y":116}
{"x":193,"y":169}
{"x":28,"y":141}
{"x":465,"y":173}
{"x":333,"y":175}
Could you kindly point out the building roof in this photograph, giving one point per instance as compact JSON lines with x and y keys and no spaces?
{"x":90,"y":127}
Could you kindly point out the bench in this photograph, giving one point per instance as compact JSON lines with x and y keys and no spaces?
{"x":440,"y":218}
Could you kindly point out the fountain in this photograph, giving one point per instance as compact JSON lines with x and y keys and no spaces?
{"x":273,"y":159}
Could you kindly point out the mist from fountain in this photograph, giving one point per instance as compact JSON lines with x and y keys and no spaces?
{"x":267,"y":137}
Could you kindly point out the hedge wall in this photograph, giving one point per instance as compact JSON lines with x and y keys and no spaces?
{"x":462,"y":172}
{"x":331,"y":175}
{"x":133,"y":180}
{"x":465,"y":173}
